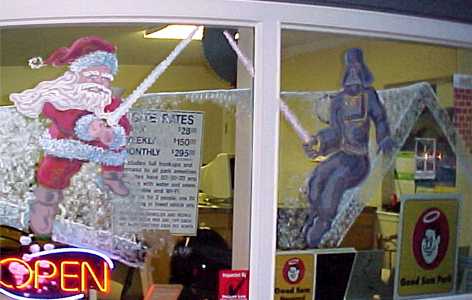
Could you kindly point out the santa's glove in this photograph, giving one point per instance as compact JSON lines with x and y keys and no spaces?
{"x":114,"y":137}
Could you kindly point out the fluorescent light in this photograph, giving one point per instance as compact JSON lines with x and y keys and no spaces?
{"x":174,"y":32}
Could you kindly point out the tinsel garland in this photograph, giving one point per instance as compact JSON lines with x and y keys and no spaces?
{"x":228,"y":99}
{"x":74,"y":149}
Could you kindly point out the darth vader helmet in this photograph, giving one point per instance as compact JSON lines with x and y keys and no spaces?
{"x":356,"y":71}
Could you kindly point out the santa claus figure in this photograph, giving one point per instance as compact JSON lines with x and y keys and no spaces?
{"x":74,"y":103}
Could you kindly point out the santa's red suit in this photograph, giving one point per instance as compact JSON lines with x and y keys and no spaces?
{"x":67,"y":145}
{"x":73,"y":103}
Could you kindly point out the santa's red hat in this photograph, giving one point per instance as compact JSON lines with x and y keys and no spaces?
{"x":84,"y":52}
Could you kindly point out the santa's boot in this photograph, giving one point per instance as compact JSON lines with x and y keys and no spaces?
{"x":44,"y":209}
{"x":113,"y":180}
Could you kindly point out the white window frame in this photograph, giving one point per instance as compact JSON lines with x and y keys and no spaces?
{"x":267,"y":19}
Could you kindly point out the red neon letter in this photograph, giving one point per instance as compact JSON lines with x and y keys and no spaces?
{"x":64,"y":276}
{"x":37,"y":271}
{"x":30,"y":273}
{"x":105,"y":287}
{"x":1,"y":281}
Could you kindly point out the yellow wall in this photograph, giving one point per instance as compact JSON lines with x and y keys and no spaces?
{"x":464,"y":61}
{"x":390,"y":62}
{"x":464,"y":65}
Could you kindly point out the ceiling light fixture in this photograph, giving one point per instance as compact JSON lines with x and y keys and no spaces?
{"x":174,"y":32}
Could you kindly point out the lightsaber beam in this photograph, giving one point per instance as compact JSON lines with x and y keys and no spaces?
{"x":294,"y":122}
{"x":113,"y":117}
{"x":284,"y":109}
{"x":245,"y":61}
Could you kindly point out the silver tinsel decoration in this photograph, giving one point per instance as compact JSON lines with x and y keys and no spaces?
{"x":228,"y":99}
{"x":85,"y":202}
{"x":19,"y":152}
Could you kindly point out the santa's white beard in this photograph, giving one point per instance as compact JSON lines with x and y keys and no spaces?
{"x":63,"y":93}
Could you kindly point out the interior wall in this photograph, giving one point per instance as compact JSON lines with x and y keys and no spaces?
{"x":464,"y":61}
{"x":390,"y":62}
{"x":464,"y":66}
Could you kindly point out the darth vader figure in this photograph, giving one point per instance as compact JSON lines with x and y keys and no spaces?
{"x":345,"y":142}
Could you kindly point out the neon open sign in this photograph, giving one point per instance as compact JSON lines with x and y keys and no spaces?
{"x":61,"y":274}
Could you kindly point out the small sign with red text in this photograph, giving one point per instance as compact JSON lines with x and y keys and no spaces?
{"x":233,"y":284}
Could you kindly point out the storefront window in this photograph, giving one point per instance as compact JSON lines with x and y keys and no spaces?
{"x":136,"y":147}
{"x":392,"y":216}
{"x":374,"y":169}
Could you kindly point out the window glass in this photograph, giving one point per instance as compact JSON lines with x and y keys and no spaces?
{"x":373,"y":133}
{"x":153,"y":183}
